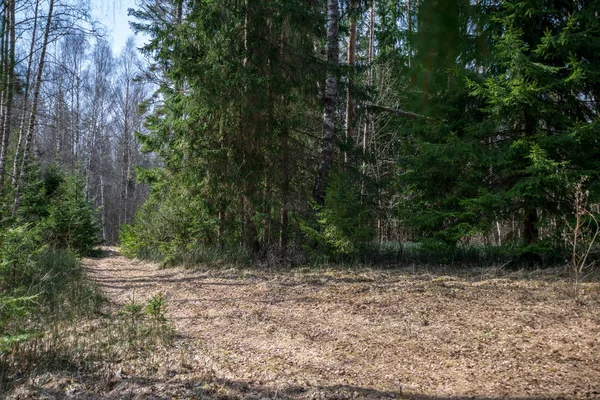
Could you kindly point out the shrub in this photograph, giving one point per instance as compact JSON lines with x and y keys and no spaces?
{"x":39,"y":288}
{"x":71,"y":222}
{"x":345,"y":224}
{"x":19,"y":247}
{"x":169,"y":224}
{"x":41,"y":279}
{"x":54,"y":203}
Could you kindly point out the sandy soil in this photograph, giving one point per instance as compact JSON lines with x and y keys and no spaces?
{"x":423,"y":334}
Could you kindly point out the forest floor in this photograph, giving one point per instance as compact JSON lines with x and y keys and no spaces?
{"x":407,"y":333}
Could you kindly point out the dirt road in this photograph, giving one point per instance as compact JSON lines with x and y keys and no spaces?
{"x":366,"y":334}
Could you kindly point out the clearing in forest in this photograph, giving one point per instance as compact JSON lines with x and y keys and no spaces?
{"x":405,"y":333}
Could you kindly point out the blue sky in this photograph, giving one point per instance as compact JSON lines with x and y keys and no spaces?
{"x":113,"y":14}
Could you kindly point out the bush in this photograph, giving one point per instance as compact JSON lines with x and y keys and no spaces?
{"x":170,"y":224}
{"x":55,"y":203}
{"x":432,"y":252}
{"x":345,"y":225}
{"x":71,"y":222}
{"x":39,"y":287}
{"x":19,"y":247}
{"x":28,"y":269}
{"x":41,"y":279}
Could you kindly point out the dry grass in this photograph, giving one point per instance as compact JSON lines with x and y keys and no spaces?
{"x":88,"y":354}
{"x":437,"y":334}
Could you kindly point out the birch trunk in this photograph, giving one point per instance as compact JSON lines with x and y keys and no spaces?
{"x":10,"y":80}
{"x":326,"y":156}
{"x":22,"y":133}
{"x":123,"y":218}
{"x":350,"y":102}
{"x":32,"y":117}
{"x":3,"y":72}
{"x":102,"y":196}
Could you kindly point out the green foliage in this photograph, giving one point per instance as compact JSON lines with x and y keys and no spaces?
{"x":71,"y":221}
{"x":139,"y":319}
{"x":503,"y":114}
{"x":345,"y":223}
{"x":226,"y":139}
{"x":54,"y":203}
{"x":170,"y":220}
{"x":14,"y":308}
{"x":506,"y":141}
{"x":38,"y":284}
{"x":19,"y":249}
{"x":41,"y":279}
{"x":156,"y":307}
{"x":437,"y":253}
{"x":39,"y":191}
{"x":133,"y":310}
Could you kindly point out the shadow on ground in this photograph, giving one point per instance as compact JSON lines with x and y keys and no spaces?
{"x":331,"y":274}
{"x":159,"y":389}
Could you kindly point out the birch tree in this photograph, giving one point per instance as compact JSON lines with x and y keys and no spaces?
{"x":33,"y":115}
{"x":8,"y":83}
{"x":326,"y":157}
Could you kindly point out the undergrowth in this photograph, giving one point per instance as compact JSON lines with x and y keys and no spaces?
{"x":87,"y":344}
{"x":51,"y":315}
{"x":384,"y":255}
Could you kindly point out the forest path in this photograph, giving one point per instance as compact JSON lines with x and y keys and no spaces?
{"x":365,"y":334}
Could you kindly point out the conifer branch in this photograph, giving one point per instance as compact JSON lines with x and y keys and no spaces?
{"x":396,"y":111}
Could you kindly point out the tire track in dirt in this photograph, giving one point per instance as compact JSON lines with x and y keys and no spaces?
{"x":369,"y":334}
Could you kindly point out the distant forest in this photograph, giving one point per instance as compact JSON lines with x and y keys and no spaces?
{"x":296,"y":130}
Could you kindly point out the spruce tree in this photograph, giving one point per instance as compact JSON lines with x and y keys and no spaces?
{"x":240,"y":78}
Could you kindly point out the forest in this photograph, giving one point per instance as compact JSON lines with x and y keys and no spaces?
{"x":378,"y":131}
{"x":294,"y":141}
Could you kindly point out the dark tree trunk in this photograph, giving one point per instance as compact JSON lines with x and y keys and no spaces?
{"x":530,"y":230}
{"x":350,"y":102}
{"x":10,"y":80}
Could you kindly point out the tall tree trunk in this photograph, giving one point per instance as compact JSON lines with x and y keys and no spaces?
{"x":285,"y":189}
{"x":368,"y":129}
{"x":350,"y":102}
{"x":10,"y":80}
{"x":4,"y":65}
{"x":103,"y":155}
{"x":326,"y":156}
{"x":179,"y":5}
{"x":268,"y":206}
{"x":409,"y":20}
{"x":126,"y":158}
{"x":32,"y":118}
{"x":285,"y":155}
{"x":530,"y":229}
{"x":77,"y":139}
{"x":250,"y":234}
{"x":271,"y":162}
{"x":22,"y":133}
{"x":248,"y":142}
